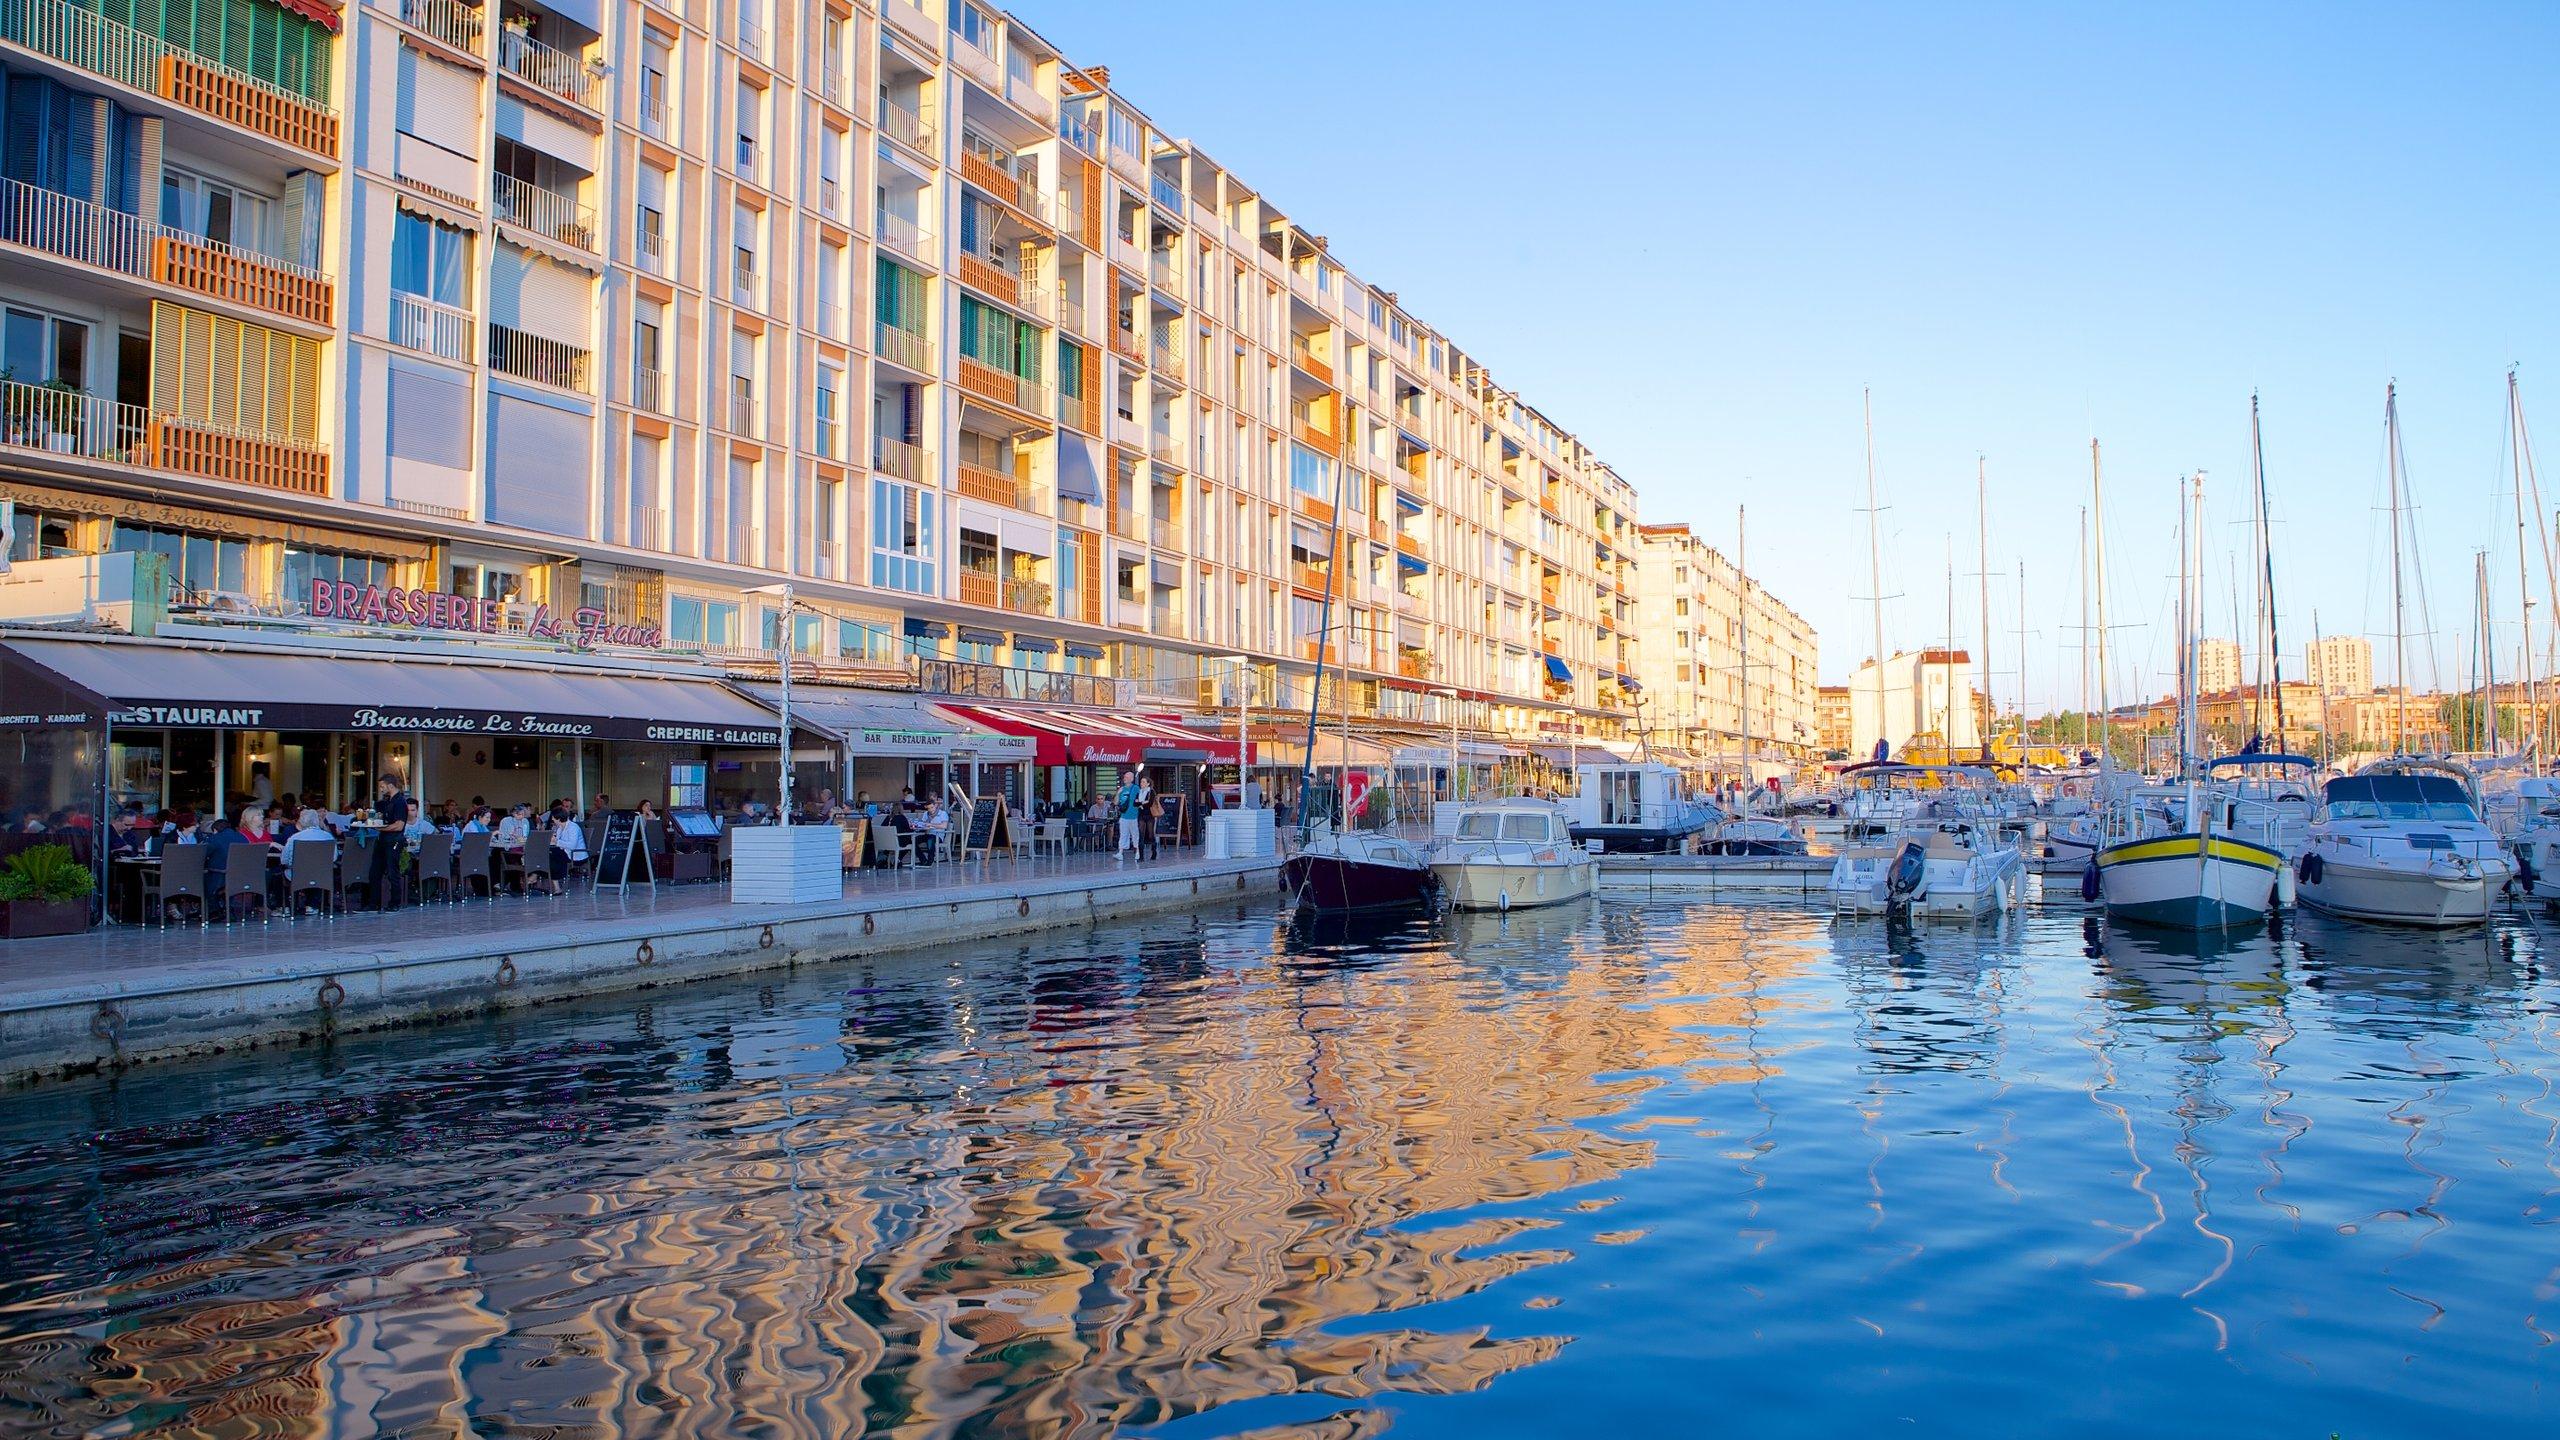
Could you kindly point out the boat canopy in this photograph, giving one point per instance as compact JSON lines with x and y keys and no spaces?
{"x":2263,"y":757}
{"x":2397,"y":797}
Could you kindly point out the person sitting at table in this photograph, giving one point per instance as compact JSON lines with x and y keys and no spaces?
{"x":253,"y":825}
{"x":892,"y":825}
{"x":568,"y":846}
{"x":907,"y":800}
{"x":513,"y":830}
{"x":311,"y":829}
{"x":418,"y":828}
{"x":601,"y":811}
{"x":937,"y":827}
{"x":648,"y":810}
{"x":478,"y":823}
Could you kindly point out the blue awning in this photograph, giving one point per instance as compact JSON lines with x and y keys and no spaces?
{"x":1557,"y":672}
{"x":1629,"y":682}
{"x":1079,"y":478}
{"x":926,"y":629}
{"x":1408,"y":562}
{"x":1036,"y":644}
{"x":1082,"y":651}
{"x":974,"y":636}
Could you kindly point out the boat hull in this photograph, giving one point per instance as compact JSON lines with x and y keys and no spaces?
{"x":2394,"y":896}
{"x":1332,"y":884}
{"x":1630,"y":840}
{"x":2189,"y":882}
{"x":1496,"y":885}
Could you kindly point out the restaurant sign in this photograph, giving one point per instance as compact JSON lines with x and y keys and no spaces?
{"x":583,"y":629}
{"x":415,"y":719}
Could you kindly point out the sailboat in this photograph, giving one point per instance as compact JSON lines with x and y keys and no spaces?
{"x":2401,"y":841}
{"x":2191,"y":877}
{"x":1339,"y":868}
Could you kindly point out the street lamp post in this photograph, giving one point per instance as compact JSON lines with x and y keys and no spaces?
{"x":1451,"y":692}
{"x":1244,"y":791}
{"x":782,"y":655}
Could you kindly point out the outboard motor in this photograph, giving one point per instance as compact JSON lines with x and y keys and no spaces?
{"x":1910,"y":871}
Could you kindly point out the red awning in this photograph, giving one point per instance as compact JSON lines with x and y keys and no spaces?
{"x":324,"y":11}
{"x":1095,"y":737}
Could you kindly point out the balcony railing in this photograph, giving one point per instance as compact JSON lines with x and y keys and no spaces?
{"x":440,"y":330}
{"x":73,"y":229}
{"x":904,"y":236}
{"x":556,"y":71}
{"x":831,"y":320}
{"x":830,"y":197}
{"x":544,"y":212}
{"x":1166,"y":192}
{"x":744,"y":281}
{"x":978,"y":588}
{"x":450,"y":21}
{"x":742,"y":406}
{"x":1166,"y":448}
{"x":649,"y":247}
{"x":992,"y":275}
{"x":1162,"y":270}
{"x":649,"y":389}
{"x":537,"y":358}
{"x":1165,"y":534}
{"x":898,"y":458}
{"x":750,"y":37}
{"x":906,"y":127}
{"x":998,"y":487}
{"x":73,"y":423}
{"x":89,"y":40}
{"x":1077,"y":133}
{"x":1004,"y":387}
{"x":1304,"y":356}
{"x":1025,"y":597}
{"x":1002,"y":175}
{"x":904,"y":347}
{"x":653,"y":116}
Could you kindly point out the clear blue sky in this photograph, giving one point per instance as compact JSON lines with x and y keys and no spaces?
{"x":1692,"y":233}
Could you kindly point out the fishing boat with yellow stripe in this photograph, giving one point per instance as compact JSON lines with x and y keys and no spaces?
{"x":2189,"y":881}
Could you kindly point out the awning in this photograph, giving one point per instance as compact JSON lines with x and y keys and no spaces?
{"x":1078,"y":477}
{"x":1332,"y":752}
{"x":927,"y":629}
{"x":1099,"y":737}
{"x":971,"y":635}
{"x":1035,"y":644}
{"x":156,"y":686}
{"x":1557,"y":671}
{"x":875,"y":722}
{"x":1167,"y":573}
{"x":1082,"y":651}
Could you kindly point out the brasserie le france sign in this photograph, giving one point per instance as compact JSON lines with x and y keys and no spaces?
{"x":582,"y":629}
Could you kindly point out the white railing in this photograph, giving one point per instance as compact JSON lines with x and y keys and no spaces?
{"x":742,"y":406}
{"x":95,"y":43}
{"x":743,"y":278}
{"x":898,"y":458}
{"x":905,"y":236}
{"x":538,"y":358}
{"x":72,"y":422}
{"x":109,"y":239}
{"x":450,"y":21}
{"x":649,"y":389}
{"x":440,"y":330}
{"x":830,"y":196}
{"x":905,"y":347}
{"x":653,"y":116}
{"x":650,"y":247}
{"x":563,"y":74}
{"x":905,"y":126}
{"x":544,"y":212}
{"x":831,"y":320}
{"x":750,"y":37}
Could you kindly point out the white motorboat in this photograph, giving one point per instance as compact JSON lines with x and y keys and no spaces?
{"x":2268,"y":799}
{"x":2532,"y":834}
{"x":1511,"y":854}
{"x":2401,"y":841}
{"x":1954,"y":870}
{"x":1641,"y":807}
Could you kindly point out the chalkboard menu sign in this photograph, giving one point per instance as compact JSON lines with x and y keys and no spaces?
{"x":988,"y":829}
{"x":623,"y":857}
{"x":1169,"y":817}
{"x":857,"y":838}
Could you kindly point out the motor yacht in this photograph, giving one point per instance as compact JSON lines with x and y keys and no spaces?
{"x":2402,"y":842}
{"x":1352,"y":870}
{"x":1512,"y":854}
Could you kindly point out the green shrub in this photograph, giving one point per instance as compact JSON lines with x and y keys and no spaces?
{"x":46,"y":874}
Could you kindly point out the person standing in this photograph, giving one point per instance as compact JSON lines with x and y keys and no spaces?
{"x":391,"y":807}
{"x":1147,"y":818}
{"x":1124,"y":805}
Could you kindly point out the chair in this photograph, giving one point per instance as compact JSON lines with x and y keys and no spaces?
{"x":724,"y":850}
{"x":182,"y":878}
{"x":435,"y":865}
{"x":244,"y":870}
{"x":474,"y":865}
{"x":310,"y":866}
{"x":1050,"y":835}
{"x":537,"y":863}
{"x":355,"y":869}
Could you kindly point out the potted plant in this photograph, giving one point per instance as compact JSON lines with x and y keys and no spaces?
{"x":58,"y":415}
{"x":43,"y":891}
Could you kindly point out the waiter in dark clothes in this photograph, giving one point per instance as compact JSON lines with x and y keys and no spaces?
{"x":391,"y":808}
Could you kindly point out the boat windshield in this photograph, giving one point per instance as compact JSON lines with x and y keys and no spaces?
{"x":1525,"y":827}
{"x":1480,"y":827}
{"x":2399,"y":797}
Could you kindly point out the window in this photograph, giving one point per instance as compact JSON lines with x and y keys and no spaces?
{"x":831,"y":170}
{"x":710,"y":624}
{"x":901,"y":298}
{"x":431,"y":260}
{"x":641,"y":513}
{"x":902,"y":537}
{"x":742,"y":382}
{"x":744,"y":543}
{"x":198,"y":563}
{"x":1310,"y":474}
{"x":217,"y":211}
{"x":41,"y":349}
{"x":34,"y":536}
{"x":830,"y":424}
{"x":974,"y":26}
{"x":743,"y":234}
{"x":750,"y":127}
{"x":831,"y":290}
{"x":657,"y":60}
{"x":648,"y":364}
{"x":649,"y":220}
{"x":805,"y":629}
{"x":303,"y":567}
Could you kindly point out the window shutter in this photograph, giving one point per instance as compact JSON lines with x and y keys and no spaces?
{"x":538,"y":466}
{"x":439,"y":103}
{"x":540,"y":297}
{"x":218,"y":371}
{"x":430,"y":417}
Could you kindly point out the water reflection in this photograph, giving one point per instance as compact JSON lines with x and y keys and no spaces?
{"x":1241,"y":1176}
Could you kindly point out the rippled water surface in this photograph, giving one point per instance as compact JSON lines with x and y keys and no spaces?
{"x":1607,"y":1171}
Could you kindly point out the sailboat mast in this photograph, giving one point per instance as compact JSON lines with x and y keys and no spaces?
{"x":2098,"y":512}
{"x":2324,"y":692}
{"x":2084,"y":626}
{"x":2399,"y":608}
{"x":2022,"y":664}
{"x":1742,"y":592}
{"x":1982,"y":575}
{"x":1947,"y":708}
{"x":2532,"y":746}
{"x":2488,"y":677}
{"x":1875,"y":563}
{"x":2190,"y":566}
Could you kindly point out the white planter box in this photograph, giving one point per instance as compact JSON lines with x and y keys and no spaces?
{"x":785,"y":864}
{"x":1239,"y":835}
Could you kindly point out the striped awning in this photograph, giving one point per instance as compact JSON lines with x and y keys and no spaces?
{"x":1062,"y":736}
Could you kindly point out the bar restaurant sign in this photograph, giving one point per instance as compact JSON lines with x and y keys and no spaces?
{"x":584,"y":629}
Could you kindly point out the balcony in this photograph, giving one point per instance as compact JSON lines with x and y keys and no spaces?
{"x":1163,"y":273}
{"x":750,"y":38}
{"x":1166,"y":362}
{"x":1165,"y":191}
{"x":904,"y":347}
{"x":555,"y":72}
{"x":77,"y":230}
{"x":449,"y":21}
{"x":649,"y":248}
{"x":121,"y":53}
{"x":1004,"y":388}
{"x":1075,"y":132}
{"x":542,"y":360}
{"x":742,"y":407}
{"x":1303,"y":355}
{"x":997,"y":279}
{"x":998,"y":487}
{"x":1165,"y":447}
{"x":546,"y":213}
{"x":745,"y":283}
{"x":649,"y":389}
{"x":52,"y":420}
{"x":911,"y":463}
{"x":830,"y":320}
{"x":1165,"y":535}
{"x":830,"y":197}
{"x":1314,"y":438}
{"x":1002,"y":176}
{"x":905,"y":236}
{"x":443,"y":331}
{"x":906,"y":127}
{"x":1309,"y":575}
{"x":979,"y":588}
{"x":653,"y":116}
{"x":1025,"y":596}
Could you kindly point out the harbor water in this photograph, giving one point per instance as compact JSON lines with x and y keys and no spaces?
{"x":1611,"y":1169}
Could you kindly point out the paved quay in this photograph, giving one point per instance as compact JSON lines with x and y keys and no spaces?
{"x":124,"y":994}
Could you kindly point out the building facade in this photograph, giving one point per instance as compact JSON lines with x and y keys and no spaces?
{"x":2340,"y":664}
{"x":1720,"y":658}
{"x":2217,"y":666}
{"x":1833,"y":715}
{"x":630,"y":311}
{"x":1930,"y":695}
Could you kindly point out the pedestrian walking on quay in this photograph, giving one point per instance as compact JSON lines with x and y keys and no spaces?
{"x":1125,"y":806}
{"x":1147,"y":819}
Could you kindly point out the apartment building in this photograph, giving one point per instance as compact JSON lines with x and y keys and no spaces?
{"x":2340,"y":664}
{"x":2218,"y":668}
{"x":1720,"y":657}
{"x":631,"y":311}
{"x":1933,"y":695}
